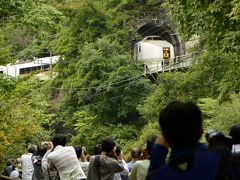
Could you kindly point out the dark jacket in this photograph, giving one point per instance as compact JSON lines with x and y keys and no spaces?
{"x":195,"y":162}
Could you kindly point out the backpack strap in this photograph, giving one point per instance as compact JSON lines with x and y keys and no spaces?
{"x":51,"y":166}
{"x":97,"y":163}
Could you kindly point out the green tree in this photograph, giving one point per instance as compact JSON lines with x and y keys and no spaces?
{"x":23,"y":114}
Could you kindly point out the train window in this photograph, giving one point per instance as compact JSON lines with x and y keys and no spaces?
{"x":139,"y":49}
{"x":157,"y":38}
{"x":149,"y":38}
{"x":22,"y":71}
{"x":46,"y":67}
{"x":28,"y":70}
{"x":25,"y":70}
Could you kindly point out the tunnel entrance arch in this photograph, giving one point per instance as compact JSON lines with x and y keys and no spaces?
{"x":158,"y":23}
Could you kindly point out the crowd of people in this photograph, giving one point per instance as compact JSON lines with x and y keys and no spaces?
{"x":177,"y":154}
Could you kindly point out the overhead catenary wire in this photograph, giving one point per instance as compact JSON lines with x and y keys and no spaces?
{"x":100,"y":86}
{"x":166,"y":68}
{"x":112,"y":89}
{"x":127,"y":84}
{"x":106,"y":85}
{"x":101,"y":93}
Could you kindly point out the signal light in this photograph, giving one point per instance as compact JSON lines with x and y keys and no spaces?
{"x":166,"y":52}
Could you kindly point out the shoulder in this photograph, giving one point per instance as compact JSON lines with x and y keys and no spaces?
{"x":207,"y":157}
{"x":92,"y":158}
{"x":26,"y":156}
{"x":142,"y":161}
{"x":68,"y":148}
{"x":108,"y":159}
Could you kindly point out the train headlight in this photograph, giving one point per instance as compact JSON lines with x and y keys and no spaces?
{"x":166,"y":52}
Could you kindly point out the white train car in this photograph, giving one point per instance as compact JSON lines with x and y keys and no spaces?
{"x":18,"y":69}
{"x":154,"y":52}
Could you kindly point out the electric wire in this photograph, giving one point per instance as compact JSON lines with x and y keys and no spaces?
{"x":166,"y":68}
{"x":105,"y":85}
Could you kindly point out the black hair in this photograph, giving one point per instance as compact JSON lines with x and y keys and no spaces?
{"x":118,"y":150}
{"x":235,"y":133}
{"x":217,"y":139}
{"x":181,"y":124}
{"x":41,"y":150}
{"x":136,"y":153}
{"x":59,"y":139}
{"x":78,"y":151}
{"x":9,"y":162}
{"x":32,"y":149}
{"x":150,"y":142}
{"x":97,"y":149}
{"x":107,"y":144}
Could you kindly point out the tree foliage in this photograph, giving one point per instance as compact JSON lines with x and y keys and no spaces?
{"x":24,"y":113}
{"x":98,"y":91}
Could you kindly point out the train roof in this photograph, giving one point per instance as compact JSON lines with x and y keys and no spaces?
{"x":154,"y":40}
{"x":159,"y":43}
{"x":156,"y":43}
{"x":35,"y":63}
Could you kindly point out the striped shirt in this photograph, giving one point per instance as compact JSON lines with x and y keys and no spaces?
{"x":66,"y":163}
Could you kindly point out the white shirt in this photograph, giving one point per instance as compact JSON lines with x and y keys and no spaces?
{"x":140,"y":170}
{"x":27,"y":166}
{"x":14,"y":174}
{"x":130,"y":165}
{"x":66,"y":163}
{"x":117,"y":176}
{"x":236,"y":149}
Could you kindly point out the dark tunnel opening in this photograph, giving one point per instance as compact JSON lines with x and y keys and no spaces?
{"x":163,"y":30}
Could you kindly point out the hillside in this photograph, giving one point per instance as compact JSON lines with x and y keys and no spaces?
{"x":97,"y":89}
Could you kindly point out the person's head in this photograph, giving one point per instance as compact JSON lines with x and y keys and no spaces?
{"x":136,"y":153}
{"x":59,"y":139}
{"x":48,"y":144}
{"x":97,"y":149}
{"x":150,"y":142}
{"x":108,"y":146}
{"x":212,"y":135}
{"x":41,"y":150}
{"x":9,"y":162}
{"x":217,"y":139}
{"x":32,"y":148}
{"x":118,"y":151}
{"x":78,"y":151}
{"x":181,"y":124}
{"x":235,"y":133}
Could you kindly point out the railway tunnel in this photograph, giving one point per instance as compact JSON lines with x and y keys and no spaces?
{"x":158,"y":23}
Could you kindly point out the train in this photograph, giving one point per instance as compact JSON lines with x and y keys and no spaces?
{"x":21,"y":68}
{"x":154,"y":52}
